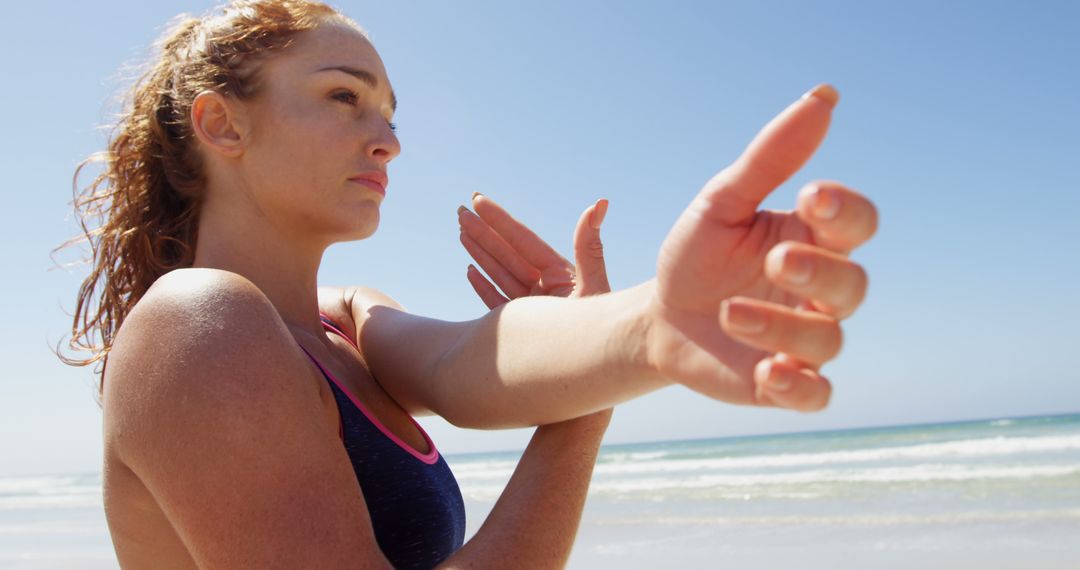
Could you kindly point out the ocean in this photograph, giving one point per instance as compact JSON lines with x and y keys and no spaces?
{"x":990,"y":494}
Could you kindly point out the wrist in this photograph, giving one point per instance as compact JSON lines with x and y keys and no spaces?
{"x":639,"y":333}
{"x":587,"y":430}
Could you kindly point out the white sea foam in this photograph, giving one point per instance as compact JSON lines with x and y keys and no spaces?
{"x":624,"y":472}
{"x":50,"y":492}
{"x":616,"y":456}
{"x":482,"y":470}
{"x":721,"y":485}
{"x":52,"y":527}
{"x":70,"y":501}
{"x":969,"y":448}
{"x":808,"y":484}
{"x":850,"y":519}
{"x":15,"y":485}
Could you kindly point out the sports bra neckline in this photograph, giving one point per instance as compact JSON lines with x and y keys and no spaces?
{"x":429,"y":458}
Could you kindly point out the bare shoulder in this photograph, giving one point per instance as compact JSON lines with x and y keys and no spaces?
{"x":194,"y":322}
{"x":200,"y":343}
{"x":207,"y":401}
{"x":212,"y":288}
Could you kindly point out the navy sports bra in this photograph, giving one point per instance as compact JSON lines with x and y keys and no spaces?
{"x":412,"y":498}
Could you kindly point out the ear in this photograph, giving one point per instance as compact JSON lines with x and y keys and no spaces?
{"x":219,"y":123}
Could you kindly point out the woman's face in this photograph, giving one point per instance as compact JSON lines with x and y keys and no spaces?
{"x":321,"y":136}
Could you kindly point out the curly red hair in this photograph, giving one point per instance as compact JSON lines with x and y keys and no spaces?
{"x":140,"y":215}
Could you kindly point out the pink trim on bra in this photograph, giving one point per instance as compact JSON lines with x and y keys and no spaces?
{"x":333,"y":327}
{"x":433,"y":453}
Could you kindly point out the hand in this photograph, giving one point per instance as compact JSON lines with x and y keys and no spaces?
{"x":522,"y":264}
{"x":747,"y":302}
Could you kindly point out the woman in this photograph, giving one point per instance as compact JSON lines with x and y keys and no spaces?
{"x":243,"y":404}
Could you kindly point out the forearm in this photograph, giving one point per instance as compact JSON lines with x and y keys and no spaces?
{"x":533,"y":361}
{"x":535,"y":520}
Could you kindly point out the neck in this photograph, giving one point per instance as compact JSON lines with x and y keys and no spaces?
{"x":284,"y":267}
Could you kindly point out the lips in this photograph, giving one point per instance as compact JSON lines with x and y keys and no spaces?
{"x":373,"y":180}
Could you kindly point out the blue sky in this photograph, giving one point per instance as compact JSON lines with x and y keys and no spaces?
{"x":960,"y":120}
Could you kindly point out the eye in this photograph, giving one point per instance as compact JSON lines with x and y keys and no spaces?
{"x":393,"y":127}
{"x":347,"y":97}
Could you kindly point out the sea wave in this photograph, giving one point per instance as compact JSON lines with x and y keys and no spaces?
{"x":20,"y":485}
{"x":1067,"y":516}
{"x":914,"y":474}
{"x":621,"y":456}
{"x":969,"y":448}
{"x":806,"y":484}
{"x":52,"y":526}
{"x":661,"y":463}
{"x":50,"y":492}
{"x":482,"y":470}
{"x":68,"y":501}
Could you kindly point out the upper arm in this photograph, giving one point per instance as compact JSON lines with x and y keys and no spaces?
{"x":401,"y":349}
{"x":209,"y":401}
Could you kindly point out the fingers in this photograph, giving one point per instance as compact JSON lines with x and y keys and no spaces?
{"x":487,"y":292}
{"x":833,"y":283}
{"x":778,"y":151}
{"x":805,"y":335}
{"x":498,"y":251}
{"x":502,"y":277}
{"x":840,"y":218}
{"x":517,"y":235}
{"x":589,"y":251}
{"x":787,"y":384}
{"x":548,"y":272}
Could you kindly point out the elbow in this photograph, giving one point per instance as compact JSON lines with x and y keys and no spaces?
{"x":461,"y":398}
{"x":479,"y":416}
{"x":486,"y":413}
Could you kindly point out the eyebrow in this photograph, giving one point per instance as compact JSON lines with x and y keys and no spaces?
{"x":367,"y":77}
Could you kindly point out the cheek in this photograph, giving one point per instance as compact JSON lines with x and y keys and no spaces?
{"x":299,"y":152}
{"x":298,"y":169}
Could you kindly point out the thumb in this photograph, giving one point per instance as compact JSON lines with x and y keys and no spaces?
{"x":777,"y":152}
{"x":589,"y":252}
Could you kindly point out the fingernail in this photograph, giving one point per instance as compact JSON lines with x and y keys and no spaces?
{"x":598,"y":214}
{"x":778,"y":382}
{"x":795,"y":269}
{"x":743,"y":319}
{"x":824,"y":92}
{"x":462,"y":210}
{"x":824,"y":204}
{"x":476,"y":195}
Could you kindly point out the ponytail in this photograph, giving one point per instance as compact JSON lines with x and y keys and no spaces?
{"x":141,"y":214}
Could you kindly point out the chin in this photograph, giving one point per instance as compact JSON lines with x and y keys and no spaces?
{"x":364,"y":234}
{"x":350,"y":222}
{"x":364,"y":226}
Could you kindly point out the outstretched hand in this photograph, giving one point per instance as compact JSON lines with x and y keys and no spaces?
{"x":747,"y":302}
{"x":522,"y":264}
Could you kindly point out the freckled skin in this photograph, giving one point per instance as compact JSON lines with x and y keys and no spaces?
{"x":285,"y":195}
{"x":279,"y":193}
{"x":307,"y":139}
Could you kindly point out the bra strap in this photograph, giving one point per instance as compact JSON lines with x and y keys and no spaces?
{"x":333,"y":327}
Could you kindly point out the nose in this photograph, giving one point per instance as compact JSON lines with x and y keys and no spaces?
{"x":385,"y":146}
